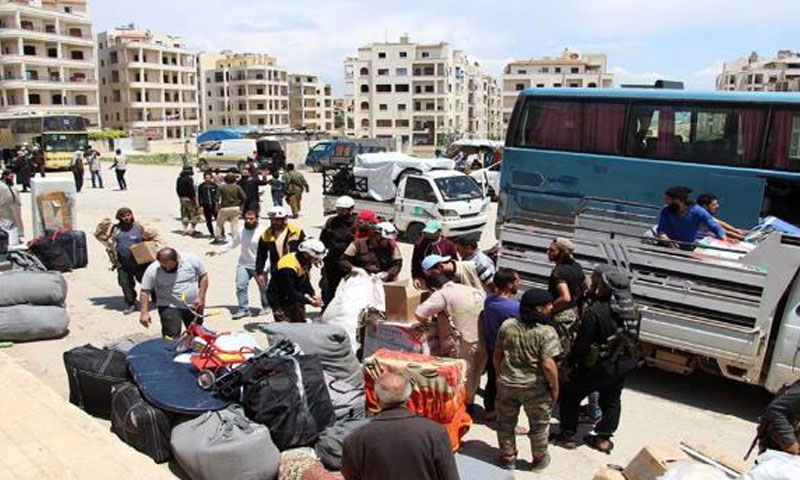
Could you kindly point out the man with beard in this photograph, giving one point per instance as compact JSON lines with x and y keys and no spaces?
{"x":566,"y":284}
{"x":118,"y":240}
{"x":250,"y":182}
{"x":281,"y":238}
{"x":10,"y":202}
{"x":180,"y":283}
{"x":527,"y":376}
{"x":246,"y":267}
{"x":498,"y":307}
{"x":680,"y":220}
{"x":337,"y":234}
{"x":208,"y":198}
{"x":290,"y":287}
{"x":373,"y":252}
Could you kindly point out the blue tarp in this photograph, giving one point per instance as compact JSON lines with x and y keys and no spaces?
{"x":217,"y":135}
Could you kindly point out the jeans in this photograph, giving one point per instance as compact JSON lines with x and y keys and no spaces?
{"x":96,"y":177}
{"x":171,"y":319}
{"x":277,"y":199}
{"x":123,"y":185}
{"x":610,"y":391}
{"x":593,"y":409}
{"x":243,"y":277}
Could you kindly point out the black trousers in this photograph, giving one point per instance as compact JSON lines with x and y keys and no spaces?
{"x":127,"y":278}
{"x":78,"y":176}
{"x":171,"y":319}
{"x":123,"y":185}
{"x":211,"y":217}
{"x":332,"y":275}
{"x":490,"y":392}
{"x":610,"y":389}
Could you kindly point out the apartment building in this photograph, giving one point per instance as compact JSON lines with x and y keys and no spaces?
{"x":310,"y":103}
{"x":570,"y":69}
{"x":343,"y":108}
{"x":148,"y":83}
{"x":423,"y":95}
{"x":245,"y":90}
{"x":47,"y":59}
{"x":757,"y":74}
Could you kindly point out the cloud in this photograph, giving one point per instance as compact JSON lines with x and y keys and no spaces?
{"x":278,"y":24}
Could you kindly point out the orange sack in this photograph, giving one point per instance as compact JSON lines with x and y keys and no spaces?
{"x":439,"y":388}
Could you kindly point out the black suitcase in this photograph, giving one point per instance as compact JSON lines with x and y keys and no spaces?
{"x":92,"y":372}
{"x":51,"y":255}
{"x":139,"y":424}
{"x":74,"y":244}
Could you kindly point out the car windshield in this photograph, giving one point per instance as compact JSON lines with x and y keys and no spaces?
{"x":320,"y":147}
{"x":458,"y":188}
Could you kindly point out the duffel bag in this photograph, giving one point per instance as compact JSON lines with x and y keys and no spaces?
{"x":91,"y":373}
{"x":294,"y":409}
{"x":330,"y":343}
{"x":331,"y":441}
{"x":74,"y":244}
{"x":35,"y":288}
{"x":139,"y":424}
{"x":52,"y":256}
{"x":225,"y":445}
{"x":24,"y":323}
{"x":348,"y":400}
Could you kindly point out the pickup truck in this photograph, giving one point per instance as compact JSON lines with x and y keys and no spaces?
{"x":449,"y":196}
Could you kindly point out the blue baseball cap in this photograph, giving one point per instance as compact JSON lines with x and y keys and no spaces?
{"x":432,"y":260}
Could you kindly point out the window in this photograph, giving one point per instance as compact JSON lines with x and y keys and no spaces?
{"x":34,"y":99}
{"x":81,"y":100}
{"x":56,"y":99}
{"x":365,"y":88}
{"x":401,"y":87}
{"x":114,"y":76}
{"x":29,"y":50}
{"x":591,"y":85}
{"x":401,"y":107}
{"x":383,"y":107}
{"x":546,"y":70}
{"x":549,"y":125}
{"x":382,"y":72}
{"x":403,"y":54}
{"x":113,"y":58}
{"x":540,"y":85}
{"x":383,"y":88}
{"x":425,"y":54}
{"x":783,"y":150}
{"x":459,"y":188}
{"x":364,"y":72}
{"x":364,"y":123}
{"x":575,"y":70}
{"x":401,"y":123}
{"x":383,"y":123}
{"x":556,"y":85}
{"x":522,"y":72}
{"x":364,"y":105}
{"x":420,"y":190}
{"x":53,"y":53}
{"x":381,"y":54}
{"x":401,"y":72}
{"x":701,"y":134}
{"x":76,"y":55}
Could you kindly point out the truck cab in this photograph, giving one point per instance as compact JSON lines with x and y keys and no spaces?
{"x":337,"y":153}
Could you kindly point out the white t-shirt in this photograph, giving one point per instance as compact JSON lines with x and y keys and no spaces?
{"x":249,"y":242}
{"x":176,"y":289}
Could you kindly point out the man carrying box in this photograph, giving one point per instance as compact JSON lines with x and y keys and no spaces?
{"x":130,"y":247}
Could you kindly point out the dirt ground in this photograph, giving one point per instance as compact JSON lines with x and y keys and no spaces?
{"x":658,"y":407}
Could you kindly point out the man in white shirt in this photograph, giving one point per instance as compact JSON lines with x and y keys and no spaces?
{"x":246,"y":268}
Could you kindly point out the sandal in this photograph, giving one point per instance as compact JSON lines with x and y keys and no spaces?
{"x":601,"y":444}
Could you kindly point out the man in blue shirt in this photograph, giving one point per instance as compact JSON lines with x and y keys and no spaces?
{"x":497,"y":308}
{"x":681,"y":218}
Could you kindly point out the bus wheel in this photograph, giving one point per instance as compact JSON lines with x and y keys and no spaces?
{"x":413,"y":233}
{"x":202,"y":165}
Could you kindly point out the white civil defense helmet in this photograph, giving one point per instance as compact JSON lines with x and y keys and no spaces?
{"x":345,"y":202}
{"x":277,"y":212}
{"x":387,"y":230}
{"x":313,"y":247}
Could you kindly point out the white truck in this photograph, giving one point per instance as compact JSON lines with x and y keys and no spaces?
{"x":410,"y":197}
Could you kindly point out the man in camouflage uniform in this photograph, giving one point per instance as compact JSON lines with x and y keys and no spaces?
{"x":567,"y":284}
{"x":527,"y":376}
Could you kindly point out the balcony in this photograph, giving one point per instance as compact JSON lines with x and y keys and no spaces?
{"x":34,"y":33}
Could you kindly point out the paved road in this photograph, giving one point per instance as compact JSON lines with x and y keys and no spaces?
{"x":657,"y":407}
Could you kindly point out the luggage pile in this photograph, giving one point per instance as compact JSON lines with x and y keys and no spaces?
{"x":61,"y":250}
{"x":32,"y":306}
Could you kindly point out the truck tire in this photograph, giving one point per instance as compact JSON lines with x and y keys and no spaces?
{"x":202,"y":165}
{"x":413,"y":233}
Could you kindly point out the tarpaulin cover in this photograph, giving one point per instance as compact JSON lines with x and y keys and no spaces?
{"x":383,"y":169}
{"x":438,"y":388}
{"x":167,"y":384}
{"x":218,"y":135}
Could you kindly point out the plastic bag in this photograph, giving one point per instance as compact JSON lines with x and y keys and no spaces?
{"x":689,"y":470}
{"x":354,"y":294}
{"x":775,"y":465}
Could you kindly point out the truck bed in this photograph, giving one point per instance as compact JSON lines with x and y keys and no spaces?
{"x":384,"y":210}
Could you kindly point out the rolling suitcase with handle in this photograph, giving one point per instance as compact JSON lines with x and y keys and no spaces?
{"x":74,"y":244}
{"x":91,"y":373}
{"x":139,"y":424}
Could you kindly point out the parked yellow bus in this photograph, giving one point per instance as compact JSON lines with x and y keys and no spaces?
{"x":57,"y":137}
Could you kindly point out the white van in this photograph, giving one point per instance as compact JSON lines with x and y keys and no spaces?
{"x":226,"y":153}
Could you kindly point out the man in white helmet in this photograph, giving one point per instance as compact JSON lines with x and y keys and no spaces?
{"x":280,"y":238}
{"x":290,"y":287}
{"x":337,"y":234}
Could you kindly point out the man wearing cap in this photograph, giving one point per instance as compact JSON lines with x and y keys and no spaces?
{"x":527,"y":376}
{"x":461,"y":272}
{"x":281,"y":238}
{"x":376,"y":253}
{"x":457,"y":308}
{"x":431,"y":243}
{"x":337,"y":234}
{"x":290,"y":287}
{"x":600,"y":359}
{"x":467,"y":246}
{"x":567,"y":283}
{"x":118,"y":239}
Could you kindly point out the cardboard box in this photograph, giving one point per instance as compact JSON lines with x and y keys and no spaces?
{"x":402,"y":300}
{"x":652,"y":462}
{"x":606,"y":473}
{"x":144,"y":252}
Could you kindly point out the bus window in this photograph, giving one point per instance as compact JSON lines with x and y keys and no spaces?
{"x":603,"y":125}
{"x":712,"y":135}
{"x":783,"y":151}
{"x":550,"y":125}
